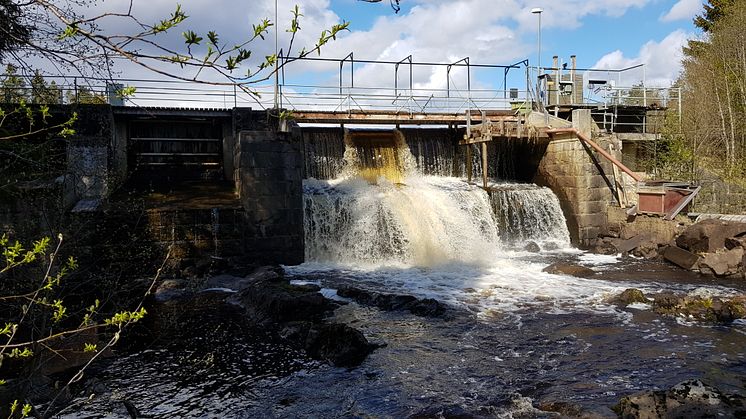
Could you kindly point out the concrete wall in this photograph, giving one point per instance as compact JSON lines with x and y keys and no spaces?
{"x":90,"y":152}
{"x":579,"y":180}
{"x":271,"y":192}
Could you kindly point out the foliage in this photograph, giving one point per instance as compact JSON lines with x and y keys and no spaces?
{"x":13,"y":30}
{"x":710,"y":145}
{"x":637,"y":95}
{"x":38,"y":316}
{"x":394,"y":4}
{"x":714,"y":11}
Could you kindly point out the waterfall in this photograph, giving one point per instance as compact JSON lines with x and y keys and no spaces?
{"x":428,"y":221}
{"x":384,"y":207}
{"x":526,"y":212}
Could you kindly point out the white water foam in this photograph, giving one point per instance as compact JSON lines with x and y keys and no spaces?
{"x":440,"y":237}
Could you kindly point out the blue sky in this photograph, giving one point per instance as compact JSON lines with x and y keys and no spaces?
{"x":615,"y":30}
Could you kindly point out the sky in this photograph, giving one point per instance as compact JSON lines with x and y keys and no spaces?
{"x":604,"y":34}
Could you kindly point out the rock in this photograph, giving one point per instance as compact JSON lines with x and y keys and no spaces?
{"x":666,"y":302}
{"x":681,"y":257}
{"x":735,"y":242}
{"x":171,"y":290}
{"x":709,"y":236}
{"x":562,"y":268}
{"x":647,"y":249}
{"x":605,"y":246}
{"x":551,"y":246}
{"x":689,"y":399}
{"x":725,"y":263}
{"x":338,"y":344}
{"x":728,"y":311}
{"x":701,"y":308}
{"x":630,"y":296}
{"x":227,"y":282}
{"x":427,"y":308}
{"x":266,"y":302}
{"x":394,"y":302}
{"x":633,"y":243}
{"x":532,"y":247}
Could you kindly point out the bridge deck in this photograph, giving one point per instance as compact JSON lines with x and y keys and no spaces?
{"x":395,"y":118}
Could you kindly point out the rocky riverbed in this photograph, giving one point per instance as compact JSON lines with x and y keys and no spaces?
{"x":324,"y":341}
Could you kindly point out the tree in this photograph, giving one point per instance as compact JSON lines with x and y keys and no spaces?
{"x":41,"y":317}
{"x":14,"y":30}
{"x":37,"y":312}
{"x":713,"y":97}
{"x":394,"y":4}
{"x":714,"y":11}
{"x":43,"y":92}
{"x":13,"y":86}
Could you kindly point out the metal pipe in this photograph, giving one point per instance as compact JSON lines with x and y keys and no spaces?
{"x":341,"y":65}
{"x":596,"y":147}
{"x":573,"y":64}
{"x":448,"y":74}
{"x":396,"y":75}
{"x":277,"y":76}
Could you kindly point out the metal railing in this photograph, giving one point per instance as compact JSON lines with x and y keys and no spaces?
{"x":400,"y":96}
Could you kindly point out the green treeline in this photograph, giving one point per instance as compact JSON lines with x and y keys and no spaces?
{"x":710,"y":143}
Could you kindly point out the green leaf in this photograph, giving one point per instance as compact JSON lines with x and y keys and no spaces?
{"x":191,"y":38}
{"x":69,"y":32}
{"x":213,"y":38}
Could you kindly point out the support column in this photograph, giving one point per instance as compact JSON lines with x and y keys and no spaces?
{"x":468,"y":163}
{"x":484,"y":164}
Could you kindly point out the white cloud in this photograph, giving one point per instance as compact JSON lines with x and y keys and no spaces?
{"x":682,"y":10}
{"x":662,"y":61}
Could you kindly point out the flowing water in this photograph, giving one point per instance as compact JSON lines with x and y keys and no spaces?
{"x":514,"y":337}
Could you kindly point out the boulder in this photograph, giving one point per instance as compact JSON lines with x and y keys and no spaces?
{"x":709,"y":236}
{"x":171,"y":290}
{"x":551,"y":246}
{"x":680,"y":257}
{"x":707,"y":309}
{"x":427,"y":308}
{"x":266,"y":302}
{"x":689,"y":399}
{"x":562,"y":268}
{"x":605,"y":246}
{"x":631,"y":296}
{"x":648,"y":249}
{"x":724,"y":263}
{"x":666,"y":302}
{"x":393,"y":302}
{"x":532,"y":247}
{"x":728,"y":311}
{"x":735,"y":242}
{"x":337,"y":343}
{"x":633,"y":243}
